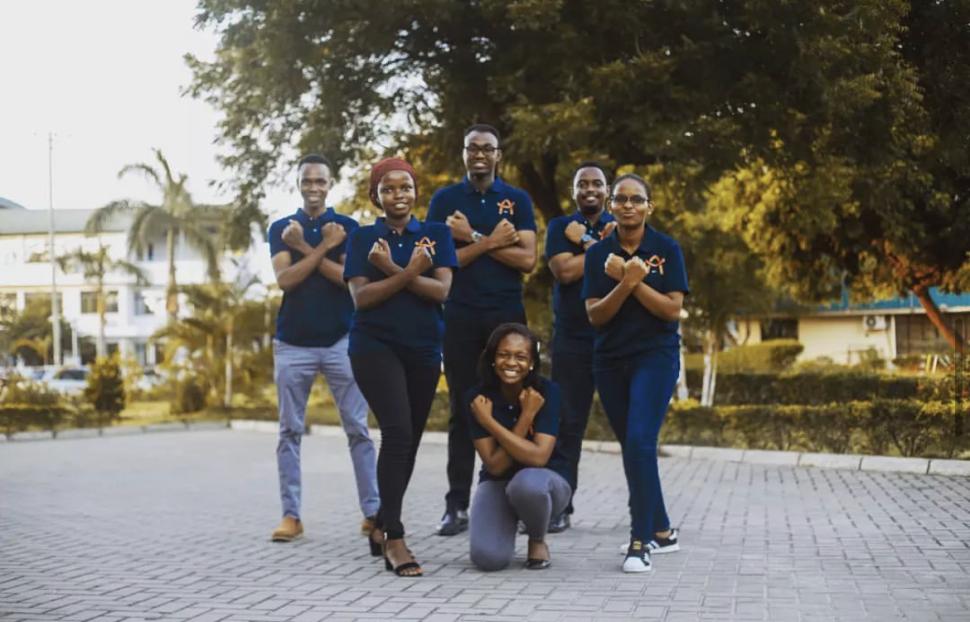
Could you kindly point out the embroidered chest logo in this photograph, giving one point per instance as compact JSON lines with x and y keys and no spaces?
{"x":506,"y":206}
{"x":656,"y":263}
{"x":427,"y":244}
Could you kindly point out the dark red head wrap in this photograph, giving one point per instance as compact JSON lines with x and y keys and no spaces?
{"x":384,"y":167}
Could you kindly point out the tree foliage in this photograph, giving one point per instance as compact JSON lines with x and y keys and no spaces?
{"x":835,"y":129}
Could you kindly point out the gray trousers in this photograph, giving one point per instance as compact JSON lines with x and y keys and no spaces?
{"x":295,"y":369}
{"x":533,"y":495}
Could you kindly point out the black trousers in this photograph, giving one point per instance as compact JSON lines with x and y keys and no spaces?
{"x":399,"y":390}
{"x":465,"y":337}
{"x":572,"y":370}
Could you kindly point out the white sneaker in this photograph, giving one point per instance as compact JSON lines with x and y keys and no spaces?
{"x":637,"y":558}
{"x":669,"y":544}
{"x":665,"y":545}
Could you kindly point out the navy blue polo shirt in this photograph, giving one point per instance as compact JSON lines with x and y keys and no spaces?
{"x":634,"y":330}
{"x":545,"y":422}
{"x":484,"y":284}
{"x":573,"y":332}
{"x":405,"y":319}
{"x":316,"y":313}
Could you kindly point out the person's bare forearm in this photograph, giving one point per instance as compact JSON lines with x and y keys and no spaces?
{"x":606,"y":308}
{"x":515,"y":256}
{"x":656,"y":303}
{"x":296,"y":273}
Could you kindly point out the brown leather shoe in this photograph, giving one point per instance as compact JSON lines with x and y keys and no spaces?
{"x":367,"y":525}
{"x":290,"y":529}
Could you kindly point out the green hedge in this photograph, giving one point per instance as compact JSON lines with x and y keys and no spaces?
{"x":19,"y":417}
{"x":816,"y":388}
{"x":770,"y":356}
{"x":904,"y":427}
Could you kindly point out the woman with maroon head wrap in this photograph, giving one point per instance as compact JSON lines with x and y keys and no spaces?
{"x":399,"y":272}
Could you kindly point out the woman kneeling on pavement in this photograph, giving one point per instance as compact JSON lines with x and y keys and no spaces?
{"x":514,"y":419}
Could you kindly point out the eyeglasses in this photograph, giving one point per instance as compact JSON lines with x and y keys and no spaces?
{"x":621,"y":199}
{"x":473,"y":150}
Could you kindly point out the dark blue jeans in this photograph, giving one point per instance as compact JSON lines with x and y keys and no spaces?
{"x":635,"y":393}
{"x":572,"y":370}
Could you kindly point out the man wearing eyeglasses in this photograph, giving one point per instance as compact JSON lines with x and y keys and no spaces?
{"x":567,"y":238}
{"x":494,"y":230}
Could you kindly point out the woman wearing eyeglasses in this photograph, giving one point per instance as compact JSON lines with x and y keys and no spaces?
{"x":634,"y":286}
{"x":399,"y":272}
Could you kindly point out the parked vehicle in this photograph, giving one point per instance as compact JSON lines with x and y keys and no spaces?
{"x":69,"y":380}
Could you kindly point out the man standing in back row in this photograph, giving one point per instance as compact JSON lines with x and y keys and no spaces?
{"x":495,"y":235}
{"x":308,"y":251}
{"x":567,"y":238}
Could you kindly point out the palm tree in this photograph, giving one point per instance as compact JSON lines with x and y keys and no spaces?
{"x":177,"y":215}
{"x":223,"y":318}
{"x":95,"y":265}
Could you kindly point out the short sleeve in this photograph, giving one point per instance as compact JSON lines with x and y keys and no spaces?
{"x":445,"y":255}
{"x":675,"y":279}
{"x":556,"y":241}
{"x":547,"y":419}
{"x":596,"y":284}
{"x":475,"y":430}
{"x":524,"y":218}
{"x":275,"y":237}
{"x":438,"y":208}
{"x":350,"y":225}
{"x":357,"y":249}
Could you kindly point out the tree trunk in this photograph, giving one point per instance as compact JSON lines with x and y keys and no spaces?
{"x":102,"y":320}
{"x":227,"y":396}
{"x":682,"y":392}
{"x":952,"y":337}
{"x":541,"y":186}
{"x":710,"y":369}
{"x":171,"y":293}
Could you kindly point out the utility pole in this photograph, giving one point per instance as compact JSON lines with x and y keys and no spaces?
{"x":55,"y":306}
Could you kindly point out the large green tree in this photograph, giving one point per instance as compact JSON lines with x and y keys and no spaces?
{"x":858,"y":109}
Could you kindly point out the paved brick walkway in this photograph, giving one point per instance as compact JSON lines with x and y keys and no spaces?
{"x":174,"y":526}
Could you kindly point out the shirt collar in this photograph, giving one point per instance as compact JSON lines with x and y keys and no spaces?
{"x":497,"y":186}
{"x":605,"y":218}
{"x":648,"y":234}
{"x":413,"y":226}
{"x":304,"y":219}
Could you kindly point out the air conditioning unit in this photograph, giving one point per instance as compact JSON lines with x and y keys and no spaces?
{"x":874,"y":322}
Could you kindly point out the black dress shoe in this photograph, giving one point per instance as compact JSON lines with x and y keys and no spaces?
{"x":559,"y":524}
{"x":453,"y":523}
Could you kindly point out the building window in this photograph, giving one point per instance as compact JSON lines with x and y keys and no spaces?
{"x":89,"y":302}
{"x":139,"y":305}
{"x":917,"y":335}
{"x":779,"y":328}
{"x":148,"y":254}
{"x":8,"y":304}
{"x":43,"y":298}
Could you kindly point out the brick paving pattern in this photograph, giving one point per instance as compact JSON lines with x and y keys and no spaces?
{"x":175,"y":526}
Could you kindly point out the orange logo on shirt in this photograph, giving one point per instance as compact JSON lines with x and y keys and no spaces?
{"x":506,"y":206}
{"x":427,"y":244}
{"x":656,"y":262}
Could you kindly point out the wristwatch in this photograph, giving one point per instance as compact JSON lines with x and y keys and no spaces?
{"x":477,"y":236}
{"x":586,"y":239}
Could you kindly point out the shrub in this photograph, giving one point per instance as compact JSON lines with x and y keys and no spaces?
{"x":769,"y":356}
{"x":25,"y":403}
{"x":189,"y":396}
{"x":906,"y":427}
{"x":106,"y":390}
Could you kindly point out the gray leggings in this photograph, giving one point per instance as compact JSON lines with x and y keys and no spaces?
{"x":533,"y":495}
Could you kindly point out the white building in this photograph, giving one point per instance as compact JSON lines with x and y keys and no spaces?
{"x":134,"y":313}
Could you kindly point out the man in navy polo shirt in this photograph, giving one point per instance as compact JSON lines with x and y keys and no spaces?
{"x":495,"y":235}
{"x":308,"y":250}
{"x":567,"y":238}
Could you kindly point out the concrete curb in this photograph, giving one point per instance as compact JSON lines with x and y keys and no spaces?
{"x":853,"y":462}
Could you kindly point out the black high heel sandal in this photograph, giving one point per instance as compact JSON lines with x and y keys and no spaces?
{"x":376,"y":548}
{"x":402,"y":569}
